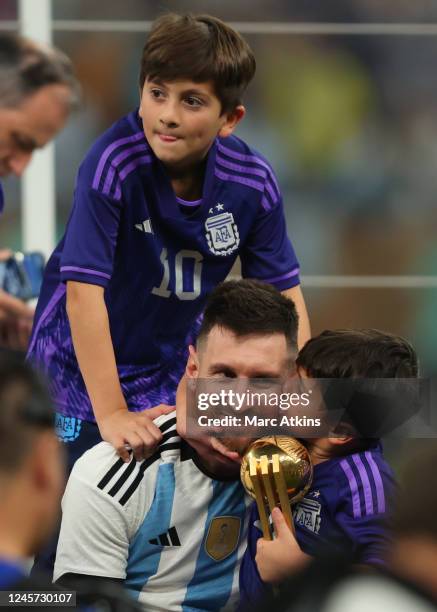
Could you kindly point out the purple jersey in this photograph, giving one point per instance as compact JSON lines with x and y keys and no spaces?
{"x":127,"y":232}
{"x":345,"y":509}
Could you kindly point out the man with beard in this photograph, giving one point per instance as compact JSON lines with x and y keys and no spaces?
{"x":172,"y":527}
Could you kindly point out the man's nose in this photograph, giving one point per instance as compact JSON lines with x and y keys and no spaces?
{"x":18,"y":163}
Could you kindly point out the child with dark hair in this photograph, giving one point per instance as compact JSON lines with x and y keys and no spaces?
{"x":346,"y":508}
{"x":165,"y":202}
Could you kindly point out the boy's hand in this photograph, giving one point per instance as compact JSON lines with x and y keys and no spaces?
{"x":279,"y":558}
{"x":136,"y":430}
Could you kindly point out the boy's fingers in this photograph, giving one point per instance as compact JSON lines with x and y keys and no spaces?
{"x":281,"y":527}
{"x":137,"y":445}
{"x":149,"y":428}
{"x":122,"y":450}
{"x":149,"y":444}
{"x":260,"y":545}
{"x":156,"y":411}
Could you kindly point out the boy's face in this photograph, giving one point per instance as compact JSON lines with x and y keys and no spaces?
{"x":181,"y":120}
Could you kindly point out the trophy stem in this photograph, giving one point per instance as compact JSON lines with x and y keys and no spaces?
{"x":259,"y":497}
{"x":281,"y":488}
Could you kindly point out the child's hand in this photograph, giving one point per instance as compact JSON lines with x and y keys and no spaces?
{"x":277,"y":559}
{"x":136,"y":430}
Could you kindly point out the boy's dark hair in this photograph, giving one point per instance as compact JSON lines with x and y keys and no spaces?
{"x":370,"y":408}
{"x":25,"y":409}
{"x":249,"y":307}
{"x":26,"y":67}
{"x":361,"y":353}
{"x":199,"y":48}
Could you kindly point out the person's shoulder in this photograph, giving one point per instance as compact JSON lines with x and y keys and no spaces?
{"x":95,"y":463}
{"x":237,"y":162}
{"x":101,"y":469}
{"x":236,"y":147}
{"x":121,"y":147}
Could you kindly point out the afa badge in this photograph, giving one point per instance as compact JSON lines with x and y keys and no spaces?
{"x":223,"y":536}
{"x":307,"y":513}
{"x":222,"y":234}
{"x":67,"y":428}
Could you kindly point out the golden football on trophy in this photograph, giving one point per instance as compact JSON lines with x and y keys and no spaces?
{"x":276,"y":471}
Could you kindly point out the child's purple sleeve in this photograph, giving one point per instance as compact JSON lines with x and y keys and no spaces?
{"x":366,"y":490}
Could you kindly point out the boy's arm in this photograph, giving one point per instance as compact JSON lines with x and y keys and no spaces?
{"x":91,"y":335}
{"x":366,"y":496}
{"x":304,"y":330}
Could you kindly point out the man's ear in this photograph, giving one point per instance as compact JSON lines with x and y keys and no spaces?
{"x":192,"y":369}
{"x":232,"y":119}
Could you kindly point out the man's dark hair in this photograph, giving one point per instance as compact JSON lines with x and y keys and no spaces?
{"x":25,"y":409}
{"x":199,"y":48}
{"x":26,"y":67}
{"x":249,"y":307}
{"x":361,"y":353}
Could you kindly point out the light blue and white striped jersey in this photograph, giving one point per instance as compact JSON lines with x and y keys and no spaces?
{"x":172,"y":533}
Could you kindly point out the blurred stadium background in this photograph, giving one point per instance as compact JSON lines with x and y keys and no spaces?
{"x":344,"y":105}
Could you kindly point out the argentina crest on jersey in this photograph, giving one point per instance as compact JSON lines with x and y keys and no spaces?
{"x":67,"y":428}
{"x":222,"y":234}
{"x":307,"y":513}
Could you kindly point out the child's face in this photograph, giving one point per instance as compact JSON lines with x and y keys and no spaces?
{"x":181,"y":120}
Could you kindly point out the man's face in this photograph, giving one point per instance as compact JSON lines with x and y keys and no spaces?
{"x":181,"y":120}
{"x":30,"y":126}
{"x":224,"y":355}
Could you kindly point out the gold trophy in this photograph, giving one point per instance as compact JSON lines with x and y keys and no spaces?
{"x":276,"y":471}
